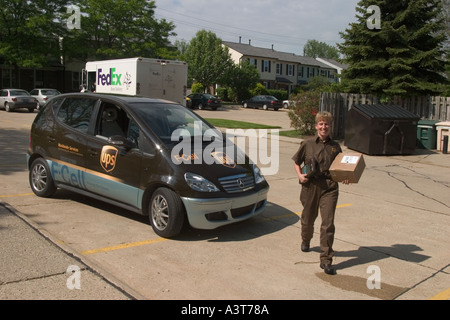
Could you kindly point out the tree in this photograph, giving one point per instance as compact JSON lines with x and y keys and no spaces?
{"x":119,"y":29}
{"x":316,"y":49}
{"x":240,"y":78}
{"x":208,"y":60}
{"x":29,"y":32}
{"x":403,"y":56}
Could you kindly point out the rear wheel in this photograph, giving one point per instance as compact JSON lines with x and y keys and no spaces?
{"x":166,"y":213}
{"x":41,"y":181}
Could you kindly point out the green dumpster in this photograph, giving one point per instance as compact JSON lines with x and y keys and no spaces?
{"x":426,"y":134}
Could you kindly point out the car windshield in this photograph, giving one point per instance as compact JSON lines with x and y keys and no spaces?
{"x":50,"y":92}
{"x":173,"y":123}
{"x":19,"y":93}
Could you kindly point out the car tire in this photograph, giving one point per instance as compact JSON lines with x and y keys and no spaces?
{"x":41,"y":180}
{"x":200,"y":106}
{"x":245,"y":105}
{"x":7,"y":107}
{"x":166,"y":213}
{"x":265,"y":107}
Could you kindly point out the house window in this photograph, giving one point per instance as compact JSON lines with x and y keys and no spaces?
{"x":266,"y":66}
{"x":279,"y":69}
{"x":253,"y":62}
{"x":289,"y":69}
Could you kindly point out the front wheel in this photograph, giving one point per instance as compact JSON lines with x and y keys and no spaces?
{"x":41,"y":180}
{"x":166,"y":213}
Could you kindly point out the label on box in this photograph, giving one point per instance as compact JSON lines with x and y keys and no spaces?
{"x":350,"y":159}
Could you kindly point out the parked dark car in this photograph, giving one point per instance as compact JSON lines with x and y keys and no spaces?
{"x":146,"y":155}
{"x":202,"y":101}
{"x":263,"y":101}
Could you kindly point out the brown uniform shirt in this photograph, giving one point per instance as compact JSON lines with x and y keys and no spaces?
{"x":323,"y":152}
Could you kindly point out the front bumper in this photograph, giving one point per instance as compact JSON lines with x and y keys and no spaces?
{"x":213,"y":213}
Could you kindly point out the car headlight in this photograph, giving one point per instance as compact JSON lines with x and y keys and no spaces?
{"x":258,"y":174}
{"x":198,"y":183}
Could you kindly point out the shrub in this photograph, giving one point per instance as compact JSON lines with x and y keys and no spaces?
{"x":197,"y":88}
{"x":303,"y":112}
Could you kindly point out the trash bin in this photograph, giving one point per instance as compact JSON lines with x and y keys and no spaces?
{"x":443,"y":129}
{"x":381,"y":129}
{"x":427,"y":134}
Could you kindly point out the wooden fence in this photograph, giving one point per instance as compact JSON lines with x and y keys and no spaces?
{"x":427,"y":108}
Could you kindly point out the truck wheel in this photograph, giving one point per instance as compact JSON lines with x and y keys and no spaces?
{"x":41,"y":180}
{"x":166,"y":213}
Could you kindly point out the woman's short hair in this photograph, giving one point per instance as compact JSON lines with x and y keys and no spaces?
{"x":324,"y":116}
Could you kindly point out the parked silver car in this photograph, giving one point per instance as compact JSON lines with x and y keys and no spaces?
{"x":12,"y":99}
{"x":43,"y":94}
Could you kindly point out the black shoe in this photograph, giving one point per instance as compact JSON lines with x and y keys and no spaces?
{"x":305,"y":246}
{"x":327,"y":268}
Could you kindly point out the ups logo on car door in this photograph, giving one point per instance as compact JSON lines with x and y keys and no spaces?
{"x":108,"y":158}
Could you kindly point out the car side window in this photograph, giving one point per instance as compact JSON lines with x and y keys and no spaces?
{"x":4,"y":93}
{"x":34,"y":92}
{"x":113,"y":121}
{"x":77,"y":113}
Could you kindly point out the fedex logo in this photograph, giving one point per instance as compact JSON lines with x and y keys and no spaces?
{"x":110,"y":79}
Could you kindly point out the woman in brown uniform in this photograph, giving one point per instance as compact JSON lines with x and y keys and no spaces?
{"x":318,"y":190}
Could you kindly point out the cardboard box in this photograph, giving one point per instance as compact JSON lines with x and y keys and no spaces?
{"x":348,"y":166}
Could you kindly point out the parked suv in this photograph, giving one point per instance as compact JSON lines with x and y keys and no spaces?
{"x":150,"y":156}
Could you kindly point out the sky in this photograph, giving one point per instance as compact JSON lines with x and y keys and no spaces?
{"x":286,"y":24}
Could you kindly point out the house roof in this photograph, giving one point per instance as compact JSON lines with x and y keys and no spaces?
{"x":249,"y":50}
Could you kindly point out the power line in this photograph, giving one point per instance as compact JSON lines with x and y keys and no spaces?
{"x":262,"y":37}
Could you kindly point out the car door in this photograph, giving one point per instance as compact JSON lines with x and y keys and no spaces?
{"x":66,"y":142}
{"x":114,"y":157}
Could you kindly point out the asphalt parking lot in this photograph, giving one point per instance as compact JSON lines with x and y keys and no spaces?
{"x":392,"y":231}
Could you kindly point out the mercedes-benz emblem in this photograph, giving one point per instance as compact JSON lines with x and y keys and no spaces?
{"x":240,"y":183}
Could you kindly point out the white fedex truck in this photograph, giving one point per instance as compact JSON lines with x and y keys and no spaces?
{"x":144,"y":77}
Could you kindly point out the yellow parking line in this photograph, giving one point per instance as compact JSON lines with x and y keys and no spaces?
{"x":16,"y":195}
{"x":123,"y":246}
{"x":444,"y":295}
